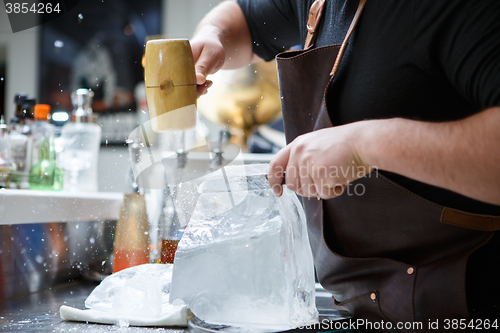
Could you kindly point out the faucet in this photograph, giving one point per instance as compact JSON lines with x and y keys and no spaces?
{"x":217,"y":158}
{"x":218,"y":161}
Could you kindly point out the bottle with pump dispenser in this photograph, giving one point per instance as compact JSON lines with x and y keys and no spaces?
{"x":81,"y":141}
{"x":45,"y":174}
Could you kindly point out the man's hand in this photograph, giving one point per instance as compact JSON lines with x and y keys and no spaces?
{"x":461,"y":156}
{"x":321,"y":163}
{"x":209,"y":56}
{"x":221,"y":40}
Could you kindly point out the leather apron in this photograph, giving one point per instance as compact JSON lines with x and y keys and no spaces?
{"x":387,"y":254}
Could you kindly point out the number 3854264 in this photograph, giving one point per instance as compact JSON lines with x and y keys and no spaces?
{"x":35,"y":8}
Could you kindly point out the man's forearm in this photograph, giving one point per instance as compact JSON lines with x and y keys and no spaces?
{"x":227,"y":23}
{"x":462,"y":156}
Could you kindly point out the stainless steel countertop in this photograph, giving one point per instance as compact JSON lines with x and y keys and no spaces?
{"x":39,"y":312}
{"x":31,"y":206}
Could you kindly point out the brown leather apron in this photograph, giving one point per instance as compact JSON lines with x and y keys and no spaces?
{"x":388,"y":254}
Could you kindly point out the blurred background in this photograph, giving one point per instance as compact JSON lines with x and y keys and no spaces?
{"x":99,"y":45}
{"x":73,"y":134}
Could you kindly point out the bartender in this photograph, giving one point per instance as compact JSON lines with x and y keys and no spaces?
{"x":393,"y":144}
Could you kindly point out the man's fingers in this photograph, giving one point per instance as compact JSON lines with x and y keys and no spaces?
{"x":328,"y":191}
{"x":200,"y":78}
{"x":307,"y":187}
{"x":203,"y":88}
{"x":277,"y":167}
{"x":200,"y":72}
{"x":210,"y":60}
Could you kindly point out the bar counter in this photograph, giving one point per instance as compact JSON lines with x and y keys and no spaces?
{"x":50,"y":237}
{"x":39,"y":312}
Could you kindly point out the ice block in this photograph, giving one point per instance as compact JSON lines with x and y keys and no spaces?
{"x":249,"y":265}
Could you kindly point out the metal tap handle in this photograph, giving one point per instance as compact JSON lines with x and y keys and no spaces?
{"x":223,"y":137}
{"x":181,"y":151}
{"x":181,"y":159}
{"x":218,"y":159}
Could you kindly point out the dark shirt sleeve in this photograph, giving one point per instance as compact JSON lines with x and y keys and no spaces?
{"x":462,"y":42}
{"x":273,"y":25}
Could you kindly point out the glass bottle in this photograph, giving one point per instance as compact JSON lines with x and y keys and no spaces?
{"x":41,"y":128}
{"x":170,"y":233}
{"x":81,"y":141}
{"x":131,"y":243}
{"x":18,"y":102}
{"x":169,"y":228}
{"x":6,"y":165}
{"x":45,"y":174}
{"x":21,"y":140}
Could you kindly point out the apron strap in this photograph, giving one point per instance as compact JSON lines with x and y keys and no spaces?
{"x":313,"y":21}
{"x":348,"y":35}
{"x":470,"y":221}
